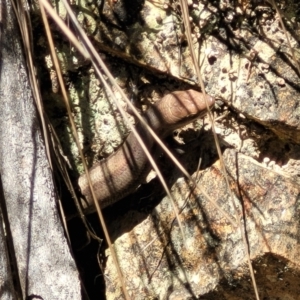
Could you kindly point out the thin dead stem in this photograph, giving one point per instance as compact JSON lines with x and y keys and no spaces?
{"x":75,"y":134}
{"x":185,"y":14}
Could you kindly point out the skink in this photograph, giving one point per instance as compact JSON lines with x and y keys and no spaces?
{"x":121,"y":173}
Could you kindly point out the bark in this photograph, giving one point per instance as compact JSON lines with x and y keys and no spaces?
{"x":33,"y":246}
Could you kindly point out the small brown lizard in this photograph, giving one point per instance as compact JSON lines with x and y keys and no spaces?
{"x":122,"y":172}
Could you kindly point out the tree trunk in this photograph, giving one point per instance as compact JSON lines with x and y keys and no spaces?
{"x":35,"y":258}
